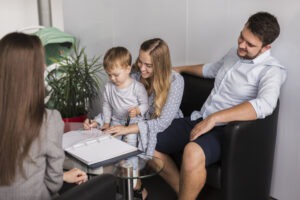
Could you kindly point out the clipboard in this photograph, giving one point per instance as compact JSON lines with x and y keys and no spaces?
{"x":95,"y":149}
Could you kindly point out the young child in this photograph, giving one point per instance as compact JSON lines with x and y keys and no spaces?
{"x":124,"y":98}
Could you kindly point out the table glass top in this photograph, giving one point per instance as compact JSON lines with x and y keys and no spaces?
{"x":140,"y":166}
{"x":135,"y":167}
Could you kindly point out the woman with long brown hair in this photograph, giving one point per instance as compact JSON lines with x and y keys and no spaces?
{"x":30,"y":139}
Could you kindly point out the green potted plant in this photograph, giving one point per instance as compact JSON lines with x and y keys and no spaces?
{"x":73,"y":83}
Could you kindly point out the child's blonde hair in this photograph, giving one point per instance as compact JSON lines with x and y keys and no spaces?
{"x":116,"y":56}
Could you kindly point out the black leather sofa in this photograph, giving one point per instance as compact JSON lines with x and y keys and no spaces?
{"x":245,"y":169}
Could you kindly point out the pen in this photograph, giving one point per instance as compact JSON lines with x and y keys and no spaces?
{"x":127,"y":121}
{"x":90,"y":122}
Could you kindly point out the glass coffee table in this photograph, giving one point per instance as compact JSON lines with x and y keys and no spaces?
{"x":133,"y":168}
{"x":127,"y":170}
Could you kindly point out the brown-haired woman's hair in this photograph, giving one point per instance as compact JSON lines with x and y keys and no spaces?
{"x":21,"y":100}
{"x":160,"y":82}
{"x":116,"y":55}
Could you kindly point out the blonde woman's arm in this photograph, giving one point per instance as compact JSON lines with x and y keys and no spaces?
{"x":148,"y":129}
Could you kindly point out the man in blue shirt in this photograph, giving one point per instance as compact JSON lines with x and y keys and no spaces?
{"x":247,"y":87}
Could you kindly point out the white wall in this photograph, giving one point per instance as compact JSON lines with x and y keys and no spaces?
{"x":200,"y":32}
{"x":17,"y":14}
{"x":197,"y":32}
{"x":57,"y":14}
{"x":23,"y":14}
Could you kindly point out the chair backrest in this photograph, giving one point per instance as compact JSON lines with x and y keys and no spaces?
{"x":195,"y":94}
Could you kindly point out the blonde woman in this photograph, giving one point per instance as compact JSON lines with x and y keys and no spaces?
{"x":165,"y":89}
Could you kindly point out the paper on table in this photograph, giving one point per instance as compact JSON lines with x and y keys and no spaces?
{"x":95,"y":148}
{"x":74,"y":137}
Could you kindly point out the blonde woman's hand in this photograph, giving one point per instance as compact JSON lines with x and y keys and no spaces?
{"x":117,"y":130}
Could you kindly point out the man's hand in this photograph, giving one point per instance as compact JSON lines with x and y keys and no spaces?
{"x":202,"y":127}
{"x":177,"y":69}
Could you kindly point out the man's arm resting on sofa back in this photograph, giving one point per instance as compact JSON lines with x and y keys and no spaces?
{"x":195,"y":70}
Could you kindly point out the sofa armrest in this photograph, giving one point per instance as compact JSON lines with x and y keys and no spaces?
{"x":247,"y":157}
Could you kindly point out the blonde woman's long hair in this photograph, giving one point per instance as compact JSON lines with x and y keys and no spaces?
{"x":159,"y":83}
{"x":21,"y":100}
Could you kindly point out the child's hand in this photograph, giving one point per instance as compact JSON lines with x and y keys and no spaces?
{"x":133,"y":112}
{"x":105,"y":126}
{"x":88,"y":124}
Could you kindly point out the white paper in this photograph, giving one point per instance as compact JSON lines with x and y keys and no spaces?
{"x":74,"y":137}
{"x":93,"y":147}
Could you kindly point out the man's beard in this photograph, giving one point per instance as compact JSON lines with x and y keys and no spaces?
{"x":246,"y":57}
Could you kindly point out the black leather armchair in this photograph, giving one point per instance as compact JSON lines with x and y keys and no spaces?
{"x":245,"y":169}
{"x":99,"y":187}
